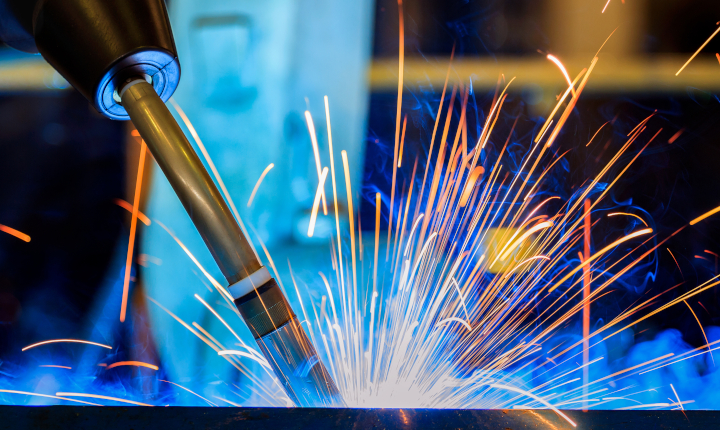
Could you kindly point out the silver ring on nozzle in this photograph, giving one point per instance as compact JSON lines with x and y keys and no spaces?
{"x":117,"y":96}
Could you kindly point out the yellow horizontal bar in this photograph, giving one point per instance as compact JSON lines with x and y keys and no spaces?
{"x":31,"y":74}
{"x":654,"y":74}
{"x":635,"y":74}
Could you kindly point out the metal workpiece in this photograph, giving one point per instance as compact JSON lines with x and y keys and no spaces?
{"x":191,"y":182}
{"x":287,"y":348}
{"x":182,"y":418}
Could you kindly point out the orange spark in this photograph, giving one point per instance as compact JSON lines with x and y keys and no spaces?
{"x":705,"y":215}
{"x":521,"y":239}
{"x":718,"y":57}
{"x":560,"y":65}
{"x":600,"y":253}
{"x":676,"y":262}
{"x":98,"y":396}
{"x":587,"y":225}
{"x":133,"y":229}
{"x":377,"y":239}
{"x":534,"y":397}
{"x":402,"y":142}
{"x":479,"y":170}
{"x":56,"y":366}
{"x":701,"y":328}
{"x":676,"y":135}
{"x":45,"y":342}
{"x":698,"y":51}
{"x":401,"y":67}
{"x":628,"y":214}
{"x":128,"y":207}
{"x":316,"y":203}
{"x":132,"y":363}
{"x":316,"y":153}
{"x":259,"y":181}
{"x":351,"y":215}
{"x":596,"y":133}
{"x":11,"y":231}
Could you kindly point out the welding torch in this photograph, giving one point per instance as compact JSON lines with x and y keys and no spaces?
{"x":121,"y":55}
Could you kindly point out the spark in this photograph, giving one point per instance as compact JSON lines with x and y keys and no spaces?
{"x":676,"y":262}
{"x":56,"y":366}
{"x":45,"y":342}
{"x":210,"y":163}
{"x":596,"y":133}
{"x":476,"y":173}
{"x":377,"y":239}
{"x":698,"y":51}
{"x":450,"y":319}
{"x":701,"y":329}
{"x":189,"y":391}
{"x":133,"y":230}
{"x":351,"y":216}
{"x":209,"y":277}
{"x":334,"y":187}
{"x":259,"y":181}
{"x":402,"y":142}
{"x":524,"y":262}
{"x":263,"y":362}
{"x":677,"y":397}
{"x":237,"y":405}
{"x":11,"y":231}
{"x":543,"y":225}
{"x":128,"y":207}
{"x":560,"y":65}
{"x":536,"y":398}
{"x":587,"y":226}
{"x":606,"y":5}
{"x":316,"y":153}
{"x":401,"y":68}
{"x":132,"y":363}
{"x":98,"y":396}
{"x":600,"y":253}
{"x":628,"y":214}
{"x":27,"y":393}
{"x":676,"y":135}
{"x":682,"y":359}
{"x":705,"y":215}
{"x":316,"y":203}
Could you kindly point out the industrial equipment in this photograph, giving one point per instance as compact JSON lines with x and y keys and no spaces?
{"x":120,"y":54}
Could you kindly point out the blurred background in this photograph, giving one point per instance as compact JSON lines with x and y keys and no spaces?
{"x":250,"y":71}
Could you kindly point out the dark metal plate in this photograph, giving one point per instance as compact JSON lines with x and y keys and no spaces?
{"x":182,"y":418}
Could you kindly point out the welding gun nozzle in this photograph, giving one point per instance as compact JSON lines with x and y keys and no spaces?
{"x":286,"y":346}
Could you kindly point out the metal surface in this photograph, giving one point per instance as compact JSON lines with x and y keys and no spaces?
{"x":294,"y":360}
{"x":182,"y":418}
{"x":188,"y":177}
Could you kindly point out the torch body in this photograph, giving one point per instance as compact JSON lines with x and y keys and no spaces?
{"x":260,"y":301}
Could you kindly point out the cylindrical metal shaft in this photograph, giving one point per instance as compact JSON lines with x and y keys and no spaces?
{"x":191,"y":182}
{"x":257,"y":296}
